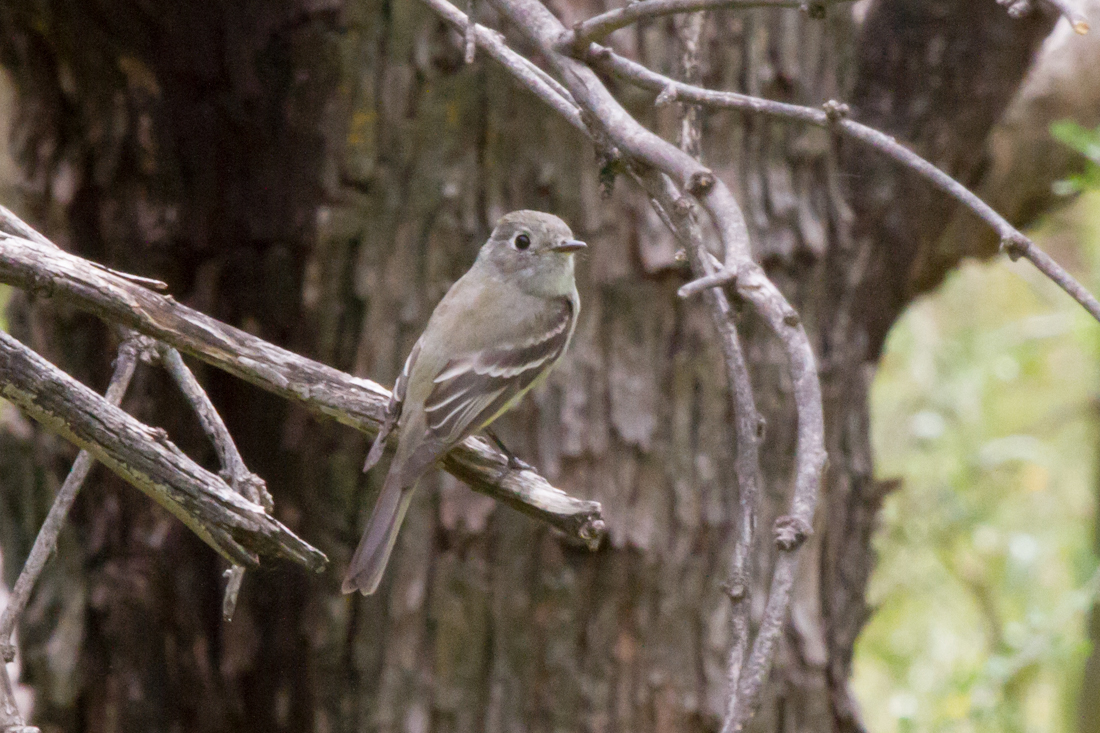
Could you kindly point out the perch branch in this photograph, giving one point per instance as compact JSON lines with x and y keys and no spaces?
{"x":144,"y":457}
{"x":46,"y":541}
{"x":359,"y":403}
{"x":20,"y":228}
{"x":1013,"y":242}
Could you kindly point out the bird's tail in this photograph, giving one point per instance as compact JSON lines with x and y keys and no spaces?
{"x":370,"y":558}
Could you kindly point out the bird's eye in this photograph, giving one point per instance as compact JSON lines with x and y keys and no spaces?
{"x":522,"y":241}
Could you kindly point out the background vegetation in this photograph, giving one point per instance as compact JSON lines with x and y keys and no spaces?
{"x":985,"y":409}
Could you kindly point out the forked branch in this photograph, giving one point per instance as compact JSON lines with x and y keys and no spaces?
{"x":833,"y":116}
{"x":234,"y":471}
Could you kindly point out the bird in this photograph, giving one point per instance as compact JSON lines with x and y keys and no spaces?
{"x":495,"y":335}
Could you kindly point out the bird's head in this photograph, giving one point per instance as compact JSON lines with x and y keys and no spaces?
{"x":534,"y":249}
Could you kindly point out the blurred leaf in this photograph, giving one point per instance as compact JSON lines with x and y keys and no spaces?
{"x":984,"y":407}
{"x":1086,"y":142}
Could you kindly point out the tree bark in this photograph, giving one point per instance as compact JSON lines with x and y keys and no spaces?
{"x":319,"y":174}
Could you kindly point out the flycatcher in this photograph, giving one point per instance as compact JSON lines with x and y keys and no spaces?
{"x":496,"y":334}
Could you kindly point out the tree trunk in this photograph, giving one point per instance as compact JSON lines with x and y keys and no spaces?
{"x":203,"y":143}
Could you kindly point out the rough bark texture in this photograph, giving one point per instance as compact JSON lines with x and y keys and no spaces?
{"x":201,"y":143}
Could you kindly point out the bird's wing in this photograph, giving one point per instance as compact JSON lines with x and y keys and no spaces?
{"x":393,"y":409}
{"x":472,"y":390}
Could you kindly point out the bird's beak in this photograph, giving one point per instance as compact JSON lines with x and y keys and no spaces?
{"x":569,"y":245}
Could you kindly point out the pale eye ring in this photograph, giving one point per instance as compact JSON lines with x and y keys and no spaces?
{"x":522,"y":241}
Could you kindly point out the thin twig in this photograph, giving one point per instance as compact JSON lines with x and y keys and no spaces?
{"x":248,"y":484}
{"x":689,"y":29}
{"x":359,"y":403}
{"x":791,"y":530}
{"x":527,"y":73}
{"x":243,"y":481}
{"x":11,"y":223}
{"x":46,"y":541}
{"x":11,"y":720}
{"x":1013,"y":242}
{"x":600,"y":26}
{"x":747,"y":423}
{"x":15,"y":225}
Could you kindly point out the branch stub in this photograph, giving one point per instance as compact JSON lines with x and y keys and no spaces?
{"x":683,"y":207}
{"x":790,"y":532}
{"x":700,"y":183}
{"x":836,"y":111}
{"x":1014,"y":246}
{"x":666,"y":97}
{"x":736,"y":591}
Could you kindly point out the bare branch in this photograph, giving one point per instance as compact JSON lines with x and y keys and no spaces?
{"x":470,"y":35}
{"x":247,"y":484}
{"x":46,"y":541}
{"x":15,"y":225}
{"x":357,"y":402}
{"x":748,"y":424}
{"x":144,"y":457}
{"x":599,"y":27}
{"x":1013,"y":242}
{"x":791,"y":530}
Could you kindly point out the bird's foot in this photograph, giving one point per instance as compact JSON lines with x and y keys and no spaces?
{"x":515,"y":463}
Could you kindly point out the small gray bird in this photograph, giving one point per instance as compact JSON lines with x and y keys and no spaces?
{"x":496,"y":334}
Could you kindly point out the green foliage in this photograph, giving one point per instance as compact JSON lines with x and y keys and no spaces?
{"x":985,"y":406}
{"x":1086,"y":142}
